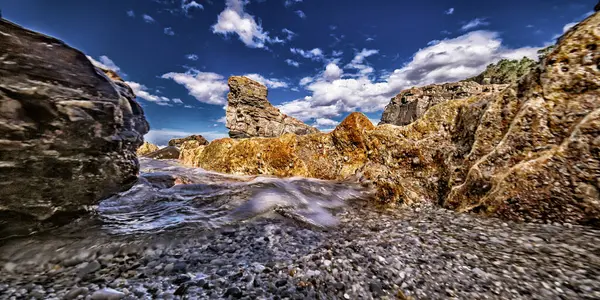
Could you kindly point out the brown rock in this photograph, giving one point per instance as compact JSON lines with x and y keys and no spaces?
{"x":249,"y":113}
{"x":169,"y":152}
{"x":412,"y":104}
{"x":530,"y":152}
{"x":146,"y":148}
{"x":196,"y":137}
{"x":68,"y":133}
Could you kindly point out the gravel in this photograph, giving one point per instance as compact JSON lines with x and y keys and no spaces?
{"x":416,"y":253}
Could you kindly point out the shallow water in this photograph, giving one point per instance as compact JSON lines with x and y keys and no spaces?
{"x":169,"y":195}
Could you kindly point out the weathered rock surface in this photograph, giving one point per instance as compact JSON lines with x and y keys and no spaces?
{"x":412,"y":104}
{"x":530,"y":152}
{"x":146,"y":148}
{"x":196,"y":137}
{"x":506,"y":71}
{"x":169,"y":152}
{"x":249,"y":113}
{"x":68,"y":133}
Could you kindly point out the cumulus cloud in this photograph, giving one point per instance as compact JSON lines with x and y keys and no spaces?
{"x":568,"y":26}
{"x":292,"y":62}
{"x":187,"y":5}
{"x":324,"y":122}
{"x":477,"y":22}
{"x":445,"y":61}
{"x":272,"y":83}
{"x":206,"y":87}
{"x":169,"y":31}
{"x":332,"y":72}
{"x":148,"y":19}
{"x":301,"y":14}
{"x":141,"y":91}
{"x":163,"y":136}
{"x":192,"y":57}
{"x":449,"y":11}
{"x":234,"y":20}
{"x":358,"y":62}
{"x":314,"y":54}
{"x":105,"y":63}
{"x":131,"y":13}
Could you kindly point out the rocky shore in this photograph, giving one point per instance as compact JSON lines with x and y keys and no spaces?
{"x":418,"y":253}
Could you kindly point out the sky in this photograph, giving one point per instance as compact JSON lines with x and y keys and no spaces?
{"x":320,"y":59}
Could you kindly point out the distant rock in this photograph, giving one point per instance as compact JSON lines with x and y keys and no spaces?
{"x":169,"y":152}
{"x":249,"y":113}
{"x":68,"y":132}
{"x":530,"y":152}
{"x":196,"y":137}
{"x":411,"y":104}
{"x":146,"y":148}
{"x":505,"y":71}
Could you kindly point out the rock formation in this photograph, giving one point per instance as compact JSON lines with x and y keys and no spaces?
{"x":178,"y":142}
{"x":530,"y":152}
{"x":412,"y":104}
{"x":506,"y":71}
{"x":169,"y":152}
{"x":249,"y":113}
{"x":146,"y":148}
{"x":68,"y":133}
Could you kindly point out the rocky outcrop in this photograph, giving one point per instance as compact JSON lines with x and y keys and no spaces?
{"x":249,"y":113}
{"x":412,"y":104}
{"x":506,"y":71}
{"x":178,"y":142}
{"x":530,"y":152}
{"x":68,"y":133}
{"x":169,"y":152}
{"x":146,"y":148}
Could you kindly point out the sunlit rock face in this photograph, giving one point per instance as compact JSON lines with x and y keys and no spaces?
{"x":146,"y":148}
{"x":249,"y":113}
{"x":68,"y":132}
{"x":528,"y":152}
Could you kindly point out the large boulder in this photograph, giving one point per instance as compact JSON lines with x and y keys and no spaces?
{"x":68,"y":133}
{"x":169,"y":152}
{"x":249,"y":113}
{"x":530,"y":152}
{"x":411,"y":104}
{"x":146,"y":148}
{"x":196,"y":137}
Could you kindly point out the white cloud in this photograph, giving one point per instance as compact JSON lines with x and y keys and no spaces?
{"x":206,"y":87}
{"x":169,"y":31}
{"x":301,"y":14}
{"x":449,"y":11}
{"x":358,"y":61}
{"x":446,"y":61}
{"x":291,"y":2}
{"x":569,"y":26}
{"x":190,"y":5}
{"x":314,"y":54}
{"x":222,"y":119}
{"x":337,"y":53}
{"x":272,"y":83}
{"x":148,"y":19}
{"x":234,"y":20}
{"x":104,"y":63}
{"x":324,"y":122}
{"x":131,"y":13}
{"x":177,"y":100}
{"x":369,"y":39}
{"x":475,"y":23}
{"x":292,"y":62}
{"x":163,"y":136}
{"x":141,"y":91}
{"x":332,"y":72}
{"x":289,"y":34}
{"x":192,"y":57}
{"x":188,"y":106}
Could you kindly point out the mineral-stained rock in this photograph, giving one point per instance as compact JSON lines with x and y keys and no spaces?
{"x":505,"y":71}
{"x":169,"y":152}
{"x":146,"y":148}
{"x":530,"y":152}
{"x":68,"y":133}
{"x":178,"y":142}
{"x":249,"y":113}
{"x":412,"y":104}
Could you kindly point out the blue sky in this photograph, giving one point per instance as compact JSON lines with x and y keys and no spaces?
{"x":321,"y":59}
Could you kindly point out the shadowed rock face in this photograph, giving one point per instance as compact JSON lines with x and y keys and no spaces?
{"x":68,"y":133}
{"x":530,"y":152}
{"x":249,"y":113}
{"x":412,"y":104}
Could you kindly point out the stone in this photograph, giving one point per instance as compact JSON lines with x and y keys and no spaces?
{"x":530,"y":152}
{"x":410,"y":105}
{"x":68,"y":132}
{"x":196,"y":137}
{"x":169,"y":152}
{"x":107,"y":294}
{"x":146,"y":148}
{"x":249,"y":113}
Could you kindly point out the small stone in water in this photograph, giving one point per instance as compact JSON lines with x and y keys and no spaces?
{"x":107,"y":294}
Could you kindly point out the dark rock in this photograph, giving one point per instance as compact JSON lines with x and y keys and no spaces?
{"x":75,"y":292}
{"x":170,"y":152}
{"x":234,"y":292}
{"x":178,"y":142}
{"x":68,"y":132}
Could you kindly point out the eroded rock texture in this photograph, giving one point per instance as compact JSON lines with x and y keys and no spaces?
{"x":146,"y":148}
{"x":412,"y":104}
{"x":530,"y":152}
{"x":196,"y":137}
{"x":249,"y":113}
{"x":68,"y":133}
